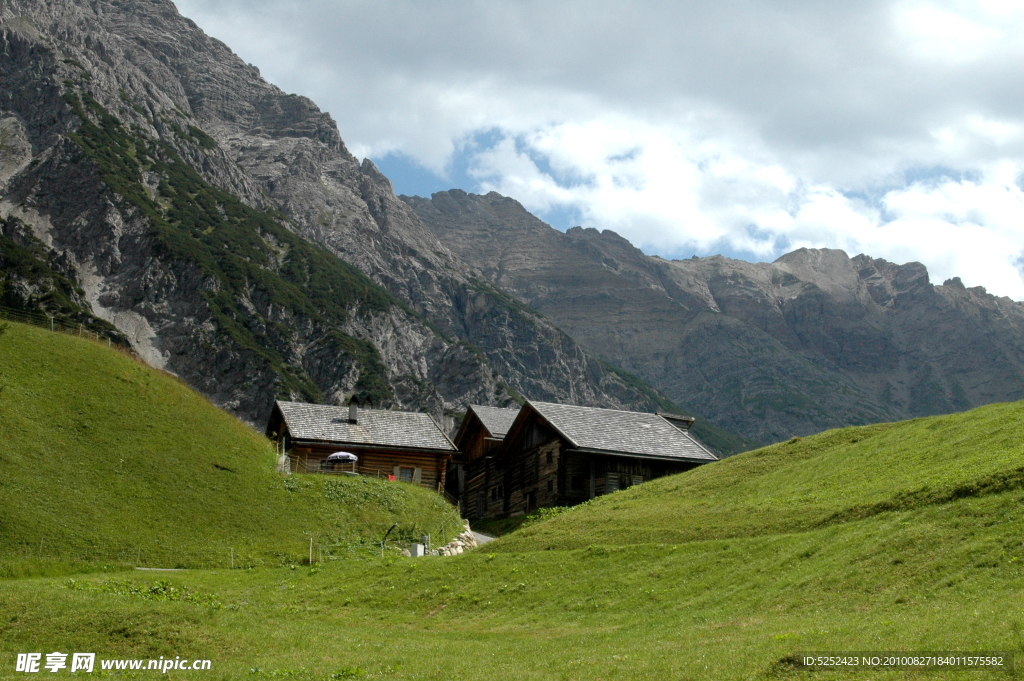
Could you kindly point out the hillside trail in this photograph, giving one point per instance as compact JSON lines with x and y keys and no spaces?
{"x":481,"y":538}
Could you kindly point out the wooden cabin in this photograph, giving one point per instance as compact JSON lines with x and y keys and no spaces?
{"x":479,"y":437}
{"x":409,"y":446}
{"x":561,"y":455}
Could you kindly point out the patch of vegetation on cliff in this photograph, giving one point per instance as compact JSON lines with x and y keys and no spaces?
{"x":194,"y":135}
{"x":719,"y":440}
{"x":253,"y":260}
{"x":371,"y":384}
{"x":28,"y":282}
{"x":514,"y":305}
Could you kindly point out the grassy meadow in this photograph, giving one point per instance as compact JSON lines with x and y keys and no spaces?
{"x":899,"y":537}
{"x":102,"y":456}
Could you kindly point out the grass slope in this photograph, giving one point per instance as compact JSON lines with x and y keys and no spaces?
{"x":804,"y":484}
{"x":906,"y":537}
{"x":98,"y":450}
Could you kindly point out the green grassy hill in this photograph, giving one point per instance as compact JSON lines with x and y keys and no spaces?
{"x":904,"y":537}
{"x":805,"y":484}
{"x":101,"y":454}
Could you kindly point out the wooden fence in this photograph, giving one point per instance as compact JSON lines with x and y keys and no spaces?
{"x":53,"y":324}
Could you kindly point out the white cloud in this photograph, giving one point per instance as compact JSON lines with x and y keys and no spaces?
{"x":672,"y":194}
{"x":736,"y":125}
{"x":960,"y":32}
{"x":937,"y":33}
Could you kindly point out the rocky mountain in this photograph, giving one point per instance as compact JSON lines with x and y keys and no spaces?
{"x":154,"y":186}
{"x":814,"y":340}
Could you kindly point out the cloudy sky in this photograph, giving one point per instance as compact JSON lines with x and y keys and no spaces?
{"x":894,"y":129}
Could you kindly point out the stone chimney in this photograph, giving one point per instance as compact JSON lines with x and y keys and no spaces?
{"x":352,"y":412}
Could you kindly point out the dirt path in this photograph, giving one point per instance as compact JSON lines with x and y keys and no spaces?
{"x":481,"y":539}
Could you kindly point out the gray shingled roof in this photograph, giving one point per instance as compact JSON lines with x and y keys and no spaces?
{"x":627,"y":432}
{"x":324,"y":423}
{"x":496,"y":420}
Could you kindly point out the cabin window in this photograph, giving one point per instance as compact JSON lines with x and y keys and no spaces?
{"x":551,"y":458}
{"x":551,"y":485}
{"x":406,"y":475}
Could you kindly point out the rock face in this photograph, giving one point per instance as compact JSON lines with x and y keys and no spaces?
{"x":222,"y":226}
{"x":814,"y":340}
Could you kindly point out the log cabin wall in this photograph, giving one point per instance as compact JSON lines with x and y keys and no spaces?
{"x":533,"y":478}
{"x":469,"y":445}
{"x":424,"y":468}
{"x":575,"y":480}
{"x":612,"y":473}
{"x":475,"y":446}
{"x":484,"y":495}
{"x":474,"y":494}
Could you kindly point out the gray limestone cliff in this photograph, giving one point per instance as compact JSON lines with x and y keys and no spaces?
{"x":224,"y":229}
{"x":814,"y":340}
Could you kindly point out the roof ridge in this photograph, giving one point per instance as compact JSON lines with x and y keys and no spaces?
{"x":580,"y":406}
{"x":384,"y":427}
{"x":615,"y":430}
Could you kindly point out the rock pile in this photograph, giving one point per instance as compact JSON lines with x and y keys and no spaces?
{"x":464,"y":541}
{"x":456,"y":546}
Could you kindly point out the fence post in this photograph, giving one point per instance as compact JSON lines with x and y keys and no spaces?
{"x":232,"y":558}
{"x":51,"y":323}
{"x":311,"y":550}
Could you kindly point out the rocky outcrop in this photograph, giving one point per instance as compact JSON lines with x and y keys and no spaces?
{"x":224,"y":228}
{"x":814,"y":340}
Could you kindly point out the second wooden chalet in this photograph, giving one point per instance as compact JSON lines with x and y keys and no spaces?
{"x":561,"y":455}
{"x":410,"y":446}
{"x":479,"y":438}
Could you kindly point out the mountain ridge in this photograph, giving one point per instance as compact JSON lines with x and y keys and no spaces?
{"x":812,"y":341}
